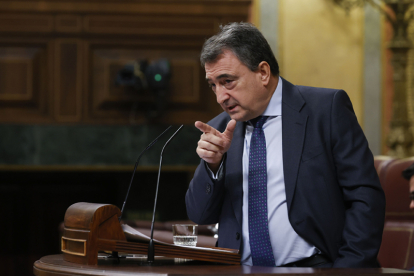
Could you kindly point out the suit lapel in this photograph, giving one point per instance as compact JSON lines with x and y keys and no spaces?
{"x":293,"y":136}
{"x":234,"y":170}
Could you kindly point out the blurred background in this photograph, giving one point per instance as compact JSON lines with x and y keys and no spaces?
{"x":85,"y":85}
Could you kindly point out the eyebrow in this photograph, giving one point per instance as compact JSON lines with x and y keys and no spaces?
{"x":222,"y":76}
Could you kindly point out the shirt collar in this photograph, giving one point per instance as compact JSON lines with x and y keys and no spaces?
{"x":275,"y":105}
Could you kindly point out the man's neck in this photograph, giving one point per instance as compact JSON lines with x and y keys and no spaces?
{"x":273,"y":82}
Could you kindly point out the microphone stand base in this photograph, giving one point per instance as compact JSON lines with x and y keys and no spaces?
{"x":150,"y":258}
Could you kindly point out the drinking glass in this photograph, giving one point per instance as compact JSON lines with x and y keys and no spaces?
{"x":185,"y":234}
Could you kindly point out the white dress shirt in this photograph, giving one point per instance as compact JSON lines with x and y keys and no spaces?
{"x":287,"y":245}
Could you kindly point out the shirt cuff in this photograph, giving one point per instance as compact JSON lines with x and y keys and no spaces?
{"x":219,"y":175}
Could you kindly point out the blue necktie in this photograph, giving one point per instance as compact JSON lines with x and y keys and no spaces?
{"x":260,"y":246}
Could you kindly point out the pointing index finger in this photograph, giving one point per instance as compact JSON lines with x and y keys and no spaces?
{"x":203,"y":127}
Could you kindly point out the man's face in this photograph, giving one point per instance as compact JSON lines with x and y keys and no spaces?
{"x":412,"y":192}
{"x":240,"y":92}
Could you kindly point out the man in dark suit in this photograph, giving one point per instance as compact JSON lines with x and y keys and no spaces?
{"x":286,"y":170}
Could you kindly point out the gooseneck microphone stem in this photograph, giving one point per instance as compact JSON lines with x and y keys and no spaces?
{"x":151,"y":252}
{"x":135,"y":168}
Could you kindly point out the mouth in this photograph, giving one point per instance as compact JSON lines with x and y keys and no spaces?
{"x":232,"y":108}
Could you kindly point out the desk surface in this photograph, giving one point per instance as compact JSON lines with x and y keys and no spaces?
{"x":55,"y":265}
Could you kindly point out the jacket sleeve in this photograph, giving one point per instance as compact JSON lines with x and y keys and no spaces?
{"x":363,"y":196}
{"x":204,"y":196}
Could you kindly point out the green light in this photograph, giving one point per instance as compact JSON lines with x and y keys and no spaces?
{"x":157,"y":77}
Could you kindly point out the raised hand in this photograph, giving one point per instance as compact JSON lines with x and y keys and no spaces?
{"x":213,"y":144}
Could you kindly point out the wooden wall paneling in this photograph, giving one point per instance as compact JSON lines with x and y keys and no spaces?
{"x":25,"y":81}
{"x":68,"y":80}
{"x":149,"y":25}
{"x":187,"y":94}
{"x":67,"y":84}
{"x":86,"y":83}
{"x":185,"y":81}
{"x":68,"y":23}
{"x":23,"y":23}
{"x":16,"y":78}
{"x":160,"y":7}
{"x":107,"y":100}
{"x":50,"y":78}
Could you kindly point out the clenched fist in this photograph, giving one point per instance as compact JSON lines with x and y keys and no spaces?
{"x":213,"y":144}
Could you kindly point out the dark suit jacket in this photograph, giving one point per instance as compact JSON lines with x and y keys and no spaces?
{"x":333,"y":194}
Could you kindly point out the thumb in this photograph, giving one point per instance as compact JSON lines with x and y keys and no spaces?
{"x":231,"y":126}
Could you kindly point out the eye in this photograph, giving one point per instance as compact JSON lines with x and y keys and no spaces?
{"x":228,"y":83}
{"x":212,"y":86}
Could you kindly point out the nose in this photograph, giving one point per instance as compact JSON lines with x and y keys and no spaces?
{"x":412,"y":205}
{"x":221,"y":94}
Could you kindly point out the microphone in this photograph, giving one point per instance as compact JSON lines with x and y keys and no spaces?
{"x":136,"y":165}
{"x":150,"y":258}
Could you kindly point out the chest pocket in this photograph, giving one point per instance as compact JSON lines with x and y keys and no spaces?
{"x":313,"y":152}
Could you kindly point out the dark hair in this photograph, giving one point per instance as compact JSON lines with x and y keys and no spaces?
{"x":408,"y":172}
{"x":245,"y":41}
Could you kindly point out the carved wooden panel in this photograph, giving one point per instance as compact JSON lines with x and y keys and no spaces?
{"x":24,"y":90}
{"x":25,"y":23}
{"x":59,"y":58}
{"x":67,"y":23}
{"x":16,"y":79}
{"x":184,"y":86}
{"x":150,"y":25}
{"x":186,"y":95}
{"x":68,"y":80}
{"x":216,"y":8}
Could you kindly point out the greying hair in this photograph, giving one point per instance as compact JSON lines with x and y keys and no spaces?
{"x":245,"y":41}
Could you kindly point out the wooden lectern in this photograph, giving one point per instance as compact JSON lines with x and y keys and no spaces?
{"x":90,"y":228}
{"x":86,"y":226}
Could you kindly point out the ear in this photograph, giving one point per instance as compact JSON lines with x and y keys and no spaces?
{"x":264,"y":72}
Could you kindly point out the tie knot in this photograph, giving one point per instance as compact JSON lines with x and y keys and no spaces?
{"x":258,"y":122}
